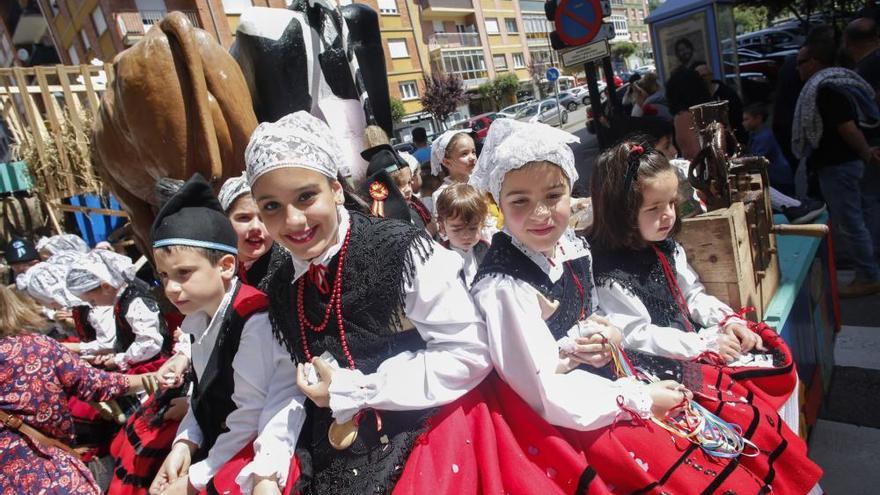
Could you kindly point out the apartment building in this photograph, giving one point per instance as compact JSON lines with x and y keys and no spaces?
{"x":628,"y":17}
{"x":477,"y":40}
{"x":24,"y":36}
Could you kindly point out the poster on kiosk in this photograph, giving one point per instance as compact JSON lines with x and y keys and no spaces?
{"x":686,"y":32}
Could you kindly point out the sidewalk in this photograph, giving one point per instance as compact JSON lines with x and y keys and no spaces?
{"x":846,"y":439}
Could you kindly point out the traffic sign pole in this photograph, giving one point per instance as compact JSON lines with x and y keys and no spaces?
{"x":558,"y":111}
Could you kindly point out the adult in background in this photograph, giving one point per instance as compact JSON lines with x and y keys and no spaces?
{"x":722,"y":92}
{"x":684,"y":89}
{"x":863,"y":45}
{"x":649,"y":98}
{"x":423,"y":149}
{"x":832,"y":106}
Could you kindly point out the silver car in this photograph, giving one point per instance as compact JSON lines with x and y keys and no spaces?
{"x":545,"y":112}
{"x":512,"y":111}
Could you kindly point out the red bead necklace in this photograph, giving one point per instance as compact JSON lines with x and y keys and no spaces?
{"x":334,"y":304}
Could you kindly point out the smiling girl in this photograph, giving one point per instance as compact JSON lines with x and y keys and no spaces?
{"x":373,"y":312}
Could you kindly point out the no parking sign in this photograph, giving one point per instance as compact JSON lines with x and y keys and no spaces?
{"x":578,"y":21}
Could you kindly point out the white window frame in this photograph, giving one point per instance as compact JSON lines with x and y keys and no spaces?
{"x":99,"y":21}
{"x":72,"y":53}
{"x":85,"y":39}
{"x":495,"y":61}
{"x":438,"y":24}
{"x":409,"y":90}
{"x":397,"y":48}
{"x":519,"y":61}
{"x":492,"y":26}
{"x":507,"y":21}
{"x":388,"y":7}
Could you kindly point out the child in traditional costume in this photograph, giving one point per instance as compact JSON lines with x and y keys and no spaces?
{"x":461,"y":210}
{"x":48,"y":246}
{"x":648,"y":290}
{"x":384,"y":158}
{"x":535,"y":290}
{"x":143,"y":342}
{"x":36,"y":430}
{"x":386,"y":338}
{"x":245,"y":396}
{"x":254,"y":244}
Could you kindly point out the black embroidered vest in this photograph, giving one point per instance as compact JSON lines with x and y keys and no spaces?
{"x":211,"y":400}
{"x":378,"y":264}
{"x":504,"y":258}
{"x":641,"y":273}
{"x":256,"y":274}
{"x":84,"y":329}
{"x":137,"y":289}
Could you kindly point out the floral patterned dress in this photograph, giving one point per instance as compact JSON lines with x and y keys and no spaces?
{"x":37,"y":375}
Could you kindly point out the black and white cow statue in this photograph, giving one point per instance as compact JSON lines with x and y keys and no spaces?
{"x":322,"y":59}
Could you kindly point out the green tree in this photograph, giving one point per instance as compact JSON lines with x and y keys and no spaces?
{"x":397,"y":110}
{"x":443,"y":94}
{"x":623,"y":50}
{"x":653,"y":4}
{"x":502,"y":89}
{"x":749,"y":19}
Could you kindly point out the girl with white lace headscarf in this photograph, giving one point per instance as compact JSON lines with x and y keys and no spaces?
{"x":105,"y":278}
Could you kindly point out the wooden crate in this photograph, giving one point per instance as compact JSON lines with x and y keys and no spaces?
{"x":718,"y":248}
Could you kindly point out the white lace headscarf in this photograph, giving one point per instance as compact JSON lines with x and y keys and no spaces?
{"x":411,"y":161}
{"x":46,"y":282}
{"x":438,"y":149}
{"x":511,"y":144}
{"x":62,"y":242}
{"x":100,"y":267}
{"x":233,"y":189}
{"x":296,"y":140}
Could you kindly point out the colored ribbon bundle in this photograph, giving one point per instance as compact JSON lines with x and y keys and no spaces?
{"x":692,"y":421}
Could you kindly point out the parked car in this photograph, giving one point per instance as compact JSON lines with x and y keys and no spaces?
{"x":544,"y":112}
{"x":771,"y":40}
{"x":406,"y":147}
{"x":511,"y":111}
{"x":479,"y":124}
{"x":582,"y":93}
{"x":567,"y":100}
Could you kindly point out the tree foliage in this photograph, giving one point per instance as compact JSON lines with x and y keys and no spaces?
{"x":623,"y":50}
{"x":503,"y":87}
{"x":397,"y":110}
{"x":749,"y":19}
{"x":835,"y":11}
{"x":443,"y":94}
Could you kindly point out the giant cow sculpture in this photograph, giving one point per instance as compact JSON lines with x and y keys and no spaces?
{"x":178,"y":104}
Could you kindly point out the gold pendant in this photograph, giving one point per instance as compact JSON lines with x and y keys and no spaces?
{"x":342,"y":435}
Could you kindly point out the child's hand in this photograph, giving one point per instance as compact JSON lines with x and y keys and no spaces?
{"x":748,"y":339}
{"x":171,"y":373}
{"x":105,"y":361}
{"x":318,"y":392}
{"x":180,"y":486}
{"x":175,"y":467}
{"x":666,"y":396}
{"x":177,"y":410}
{"x":728,"y":347}
{"x":593,"y":350}
{"x":266,"y":486}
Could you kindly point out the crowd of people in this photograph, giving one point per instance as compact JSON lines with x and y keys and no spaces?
{"x":443,"y":331}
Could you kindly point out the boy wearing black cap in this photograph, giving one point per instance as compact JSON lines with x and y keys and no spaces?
{"x":389,"y":187}
{"x":20,"y":255}
{"x":244,"y":379}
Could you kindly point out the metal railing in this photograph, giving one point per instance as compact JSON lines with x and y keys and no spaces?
{"x":454,"y":40}
{"x":137,"y":23}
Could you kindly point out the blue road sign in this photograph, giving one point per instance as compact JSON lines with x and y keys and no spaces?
{"x":578,"y":21}
{"x":552,"y":74}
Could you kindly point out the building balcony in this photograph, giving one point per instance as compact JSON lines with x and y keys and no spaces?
{"x":474,"y":83}
{"x":439,"y":10}
{"x":134,"y":25}
{"x":439,"y":41}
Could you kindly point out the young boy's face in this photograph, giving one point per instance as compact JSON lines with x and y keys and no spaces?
{"x":105,"y":295}
{"x":461,"y":234}
{"x":191,"y":282}
{"x":536,"y":203}
{"x":752,"y":122}
{"x":403,"y":180}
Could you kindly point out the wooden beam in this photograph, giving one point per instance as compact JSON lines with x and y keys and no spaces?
{"x":89,"y":210}
{"x":35,"y":122}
